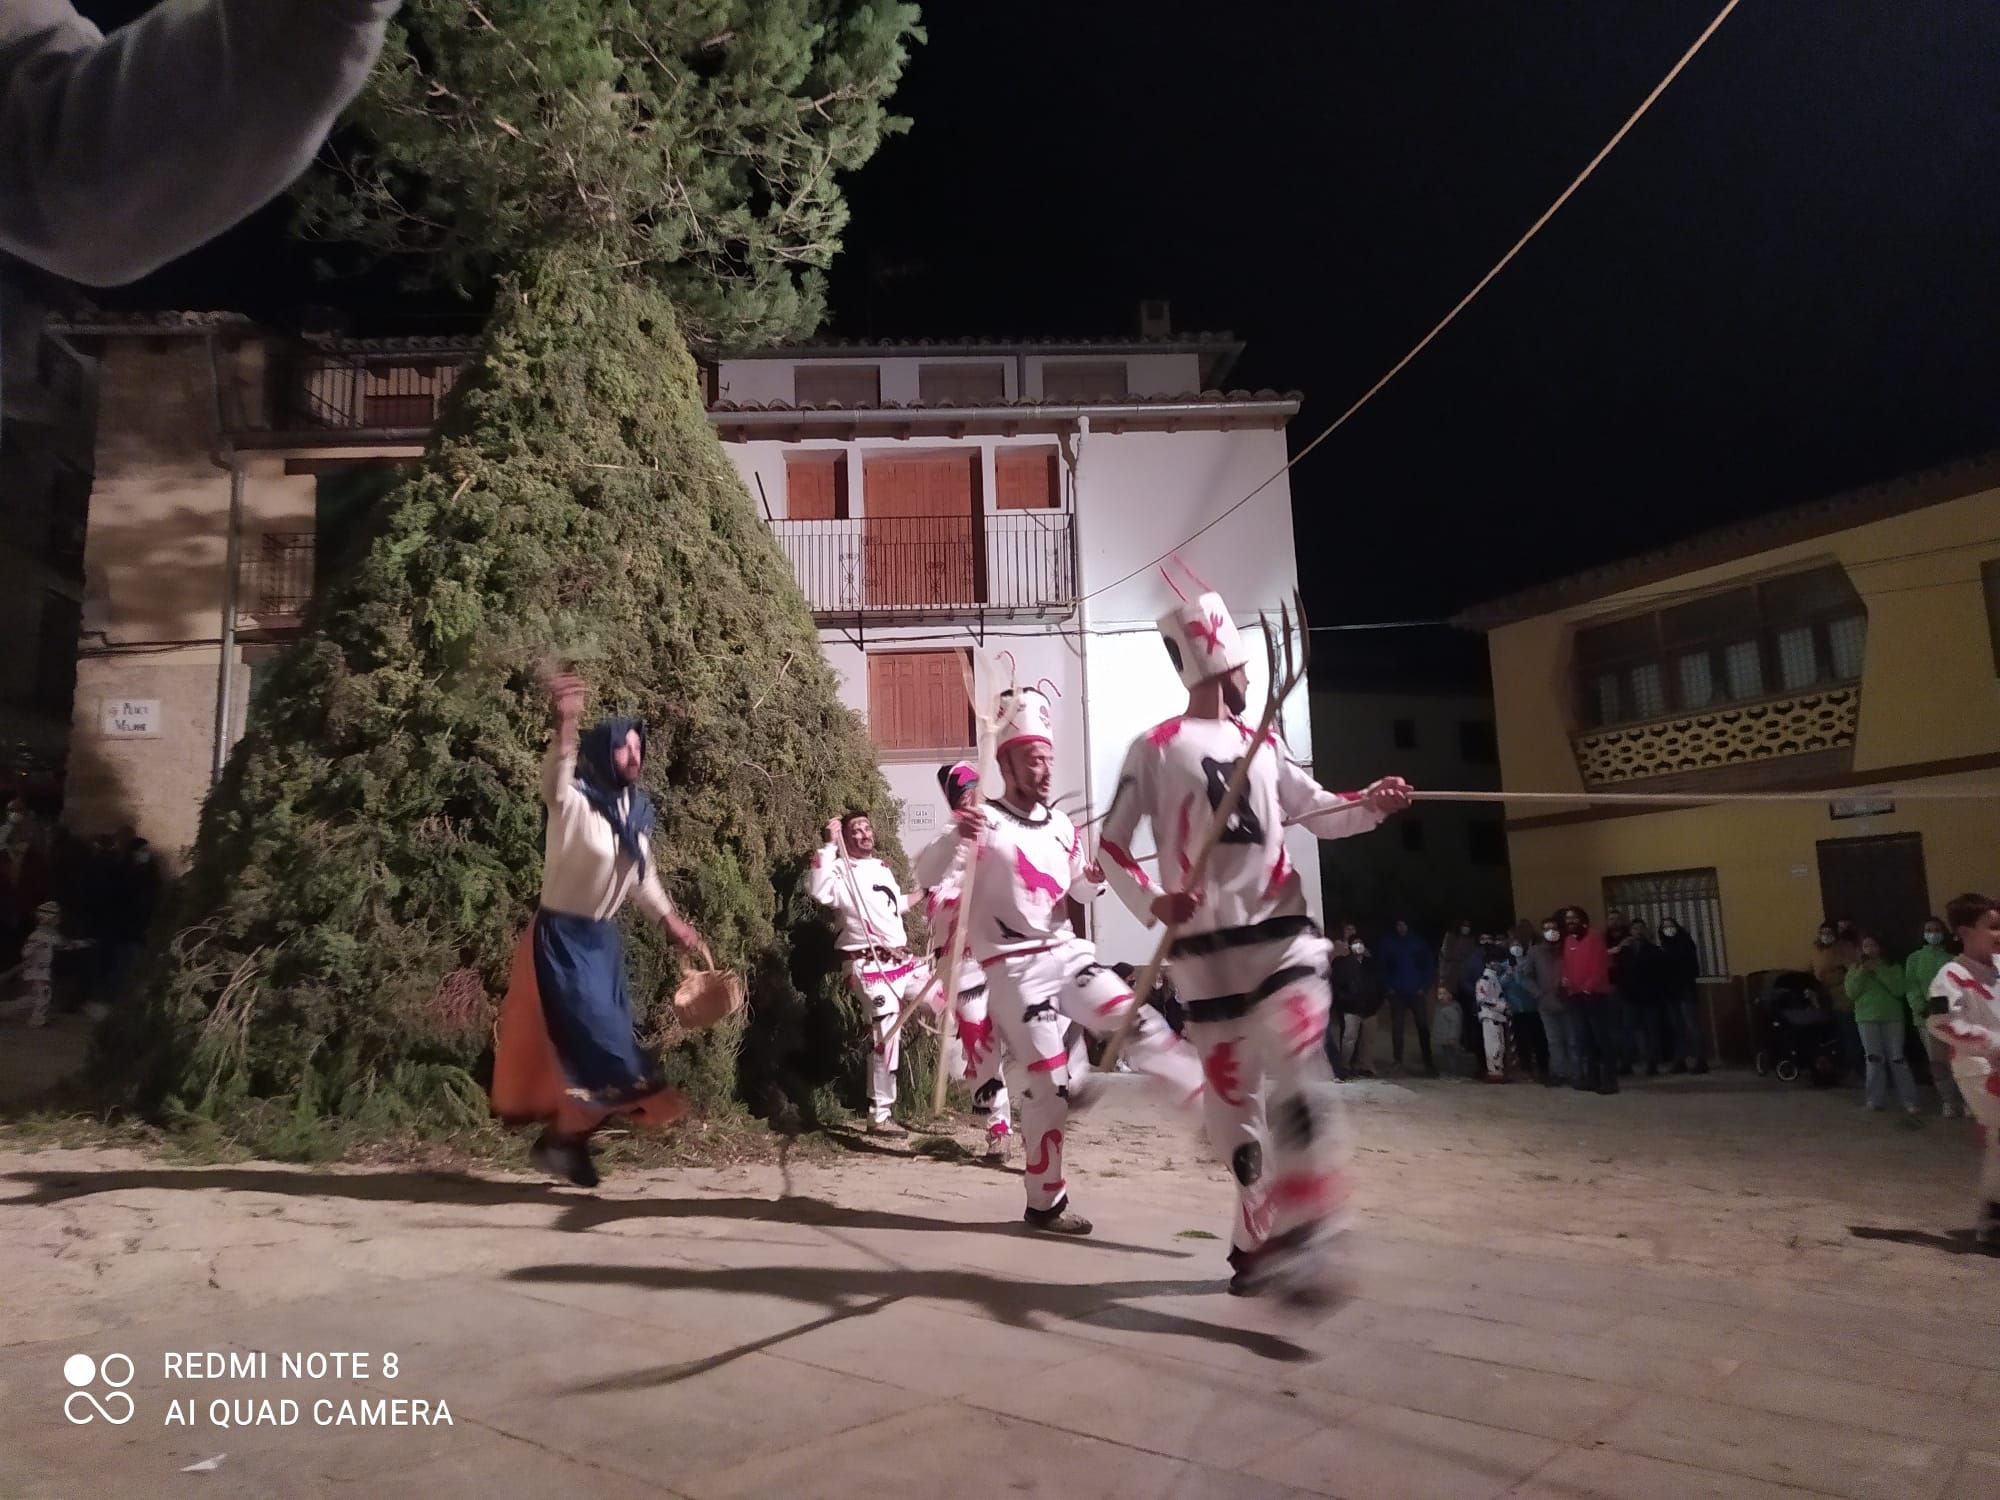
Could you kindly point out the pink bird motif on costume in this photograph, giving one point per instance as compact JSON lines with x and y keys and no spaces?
{"x":1033,"y":879}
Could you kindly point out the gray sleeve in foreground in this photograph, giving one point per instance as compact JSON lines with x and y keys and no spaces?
{"x":119,"y":154}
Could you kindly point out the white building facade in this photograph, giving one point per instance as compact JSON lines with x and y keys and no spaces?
{"x":940,"y":499}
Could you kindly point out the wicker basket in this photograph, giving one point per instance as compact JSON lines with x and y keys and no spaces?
{"x":707,"y":996}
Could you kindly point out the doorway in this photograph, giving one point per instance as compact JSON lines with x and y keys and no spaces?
{"x":1878,"y":883}
{"x":920,"y":539}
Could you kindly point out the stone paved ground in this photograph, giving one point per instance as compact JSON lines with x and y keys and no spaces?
{"x":1706,"y":1287}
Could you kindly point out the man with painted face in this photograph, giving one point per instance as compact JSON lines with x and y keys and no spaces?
{"x":1250,"y":964}
{"x":981,"y":1056}
{"x":567,"y":1056}
{"x":1040,"y":975}
{"x":868,"y":904}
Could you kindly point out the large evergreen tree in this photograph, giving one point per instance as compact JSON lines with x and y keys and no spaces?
{"x":629,"y":169}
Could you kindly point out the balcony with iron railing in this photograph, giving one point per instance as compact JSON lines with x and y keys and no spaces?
{"x":914,"y":568}
{"x":373,"y":395}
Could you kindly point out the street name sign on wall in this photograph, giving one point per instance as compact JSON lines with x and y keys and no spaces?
{"x":131,"y":719}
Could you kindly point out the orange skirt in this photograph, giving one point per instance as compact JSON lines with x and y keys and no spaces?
{"x":530,"y":1086}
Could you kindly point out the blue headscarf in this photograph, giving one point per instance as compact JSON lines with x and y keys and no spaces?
{"x":597,"y":778}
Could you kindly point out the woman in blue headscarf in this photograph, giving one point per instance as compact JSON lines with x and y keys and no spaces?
{"x":567,"y":1056}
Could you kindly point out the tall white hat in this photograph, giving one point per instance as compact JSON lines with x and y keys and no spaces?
{"x":1202,"y":641}
{"x":1022,"y":716}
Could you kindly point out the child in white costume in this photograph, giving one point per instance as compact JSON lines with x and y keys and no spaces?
{"x":868,"y":905}
{"x":1250,"y":964}
{"x":1970,"y":987}
{"x":1041,"y":976}
{"x":38,"y":962}
{"x":978,"y":1053}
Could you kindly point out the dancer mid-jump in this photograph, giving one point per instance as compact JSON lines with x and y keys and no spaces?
{"x":566,"y":1055}
{"x":1040,"y":975}
{"x":1251,"y":966}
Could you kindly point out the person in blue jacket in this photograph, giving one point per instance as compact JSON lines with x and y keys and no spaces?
{"x":1409,"y":974}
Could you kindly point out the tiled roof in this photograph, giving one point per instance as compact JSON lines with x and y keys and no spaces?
{"x":837,"y":348}
{"x":446,"y":343}
{"x":148,"y":322}
{"x":1723,"y":544}
{"x":1191,"y":398}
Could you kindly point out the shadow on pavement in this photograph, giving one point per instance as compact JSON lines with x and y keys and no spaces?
{"x":581,"y":1211}
{"x":1953,"y":1242}
{"x":849,"y":1292}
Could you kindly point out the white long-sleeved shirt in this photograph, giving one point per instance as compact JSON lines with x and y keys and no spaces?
{"x":939,"y":872}
{"x":584,"y":871}
{"x":1174,"y":777}
{"x":864,"y":897}
{"x":1971,"y":1022}
{"x":119,"y":153}
{"x":1031,"y":865}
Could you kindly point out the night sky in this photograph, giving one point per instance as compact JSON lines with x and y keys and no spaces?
{"x":1784,"y":283}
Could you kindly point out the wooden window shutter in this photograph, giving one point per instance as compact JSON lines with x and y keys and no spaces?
{"x":1026,"y":479}
{"x":815,"y":486}
{"x":916,"y":701}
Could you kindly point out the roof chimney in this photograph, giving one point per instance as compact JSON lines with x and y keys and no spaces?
{"x":1156,"y":319}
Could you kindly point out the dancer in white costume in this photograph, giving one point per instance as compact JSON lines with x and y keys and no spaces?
{"x":1970,"y":987}
{"x":1041,"y":976}
{"x":868,"y":904}
{"x":1250,"y":965}
{"x":977,"y":1052}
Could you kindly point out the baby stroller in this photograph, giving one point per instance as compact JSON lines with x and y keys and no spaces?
{"x":1796,"y":1033}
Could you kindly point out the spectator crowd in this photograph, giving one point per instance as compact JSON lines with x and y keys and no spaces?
{"x":1567,"y":1001}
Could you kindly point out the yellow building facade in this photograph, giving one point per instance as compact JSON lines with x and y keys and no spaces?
{"x":1850,"y":647}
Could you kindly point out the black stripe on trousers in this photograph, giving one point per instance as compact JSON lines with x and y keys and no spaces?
{"x":1236,"y":1007}
{"x":1276,"y":929}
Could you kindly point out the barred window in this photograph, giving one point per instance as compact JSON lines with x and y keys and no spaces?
{"x":1692,"y":898}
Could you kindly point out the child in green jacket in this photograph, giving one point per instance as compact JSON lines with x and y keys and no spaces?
{"x":1921,"y":970}
{"x":1880,"y":994}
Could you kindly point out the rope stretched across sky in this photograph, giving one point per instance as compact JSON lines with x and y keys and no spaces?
{"x":1444,"y":322}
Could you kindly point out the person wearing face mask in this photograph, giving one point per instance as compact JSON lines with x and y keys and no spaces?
{"x":1357,"y":995}
{"x":1920,"y":972}
{"x":1522,"y":986}
{"x":1544,"y":959}
{"x":1682,"y":963}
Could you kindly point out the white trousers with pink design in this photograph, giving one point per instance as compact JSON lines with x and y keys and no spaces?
{"x":1258,"y":999}
{"x":1033,"y":1000}
{"x":885,"y":988}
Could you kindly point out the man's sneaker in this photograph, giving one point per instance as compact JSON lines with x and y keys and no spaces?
{"x":1302,"y":1267}
{"x":998,"y":1139}
{"x":1058,"y":1220}
{"x":1245,"y":1279}
{"x":893,"y":1129}
{"x":568,"y":1160}
{"x":1952,"y":1112}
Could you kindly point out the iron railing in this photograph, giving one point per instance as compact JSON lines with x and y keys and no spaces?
{"x":278,"y":575}
{"x":1021,"y":564}
{"x":370,"y":395}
